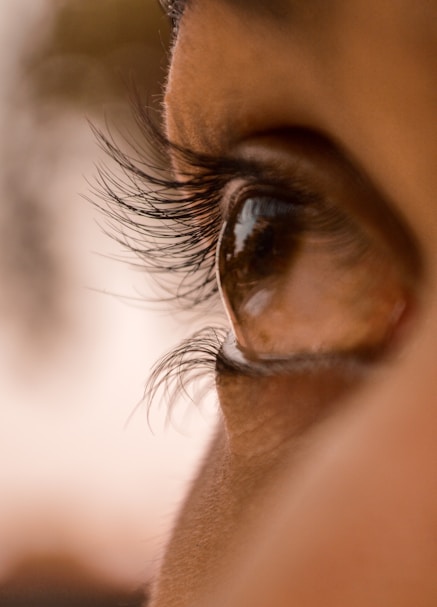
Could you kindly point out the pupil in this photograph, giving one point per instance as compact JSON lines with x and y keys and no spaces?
{"x":265,"y":250}
{"x":257,"y":244}
{"x":263,"y":237}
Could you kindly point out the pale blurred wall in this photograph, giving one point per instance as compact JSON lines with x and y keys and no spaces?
{"x":74,"y":350}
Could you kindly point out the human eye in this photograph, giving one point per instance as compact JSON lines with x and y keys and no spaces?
{"x":304,"y":268}
{"x":308,"y":260}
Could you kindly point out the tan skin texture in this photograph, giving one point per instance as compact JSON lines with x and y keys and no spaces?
{"x":320,"y":487}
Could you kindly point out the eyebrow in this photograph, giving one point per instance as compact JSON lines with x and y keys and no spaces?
{"x":174,"y":9}
{"x":276,"y":9}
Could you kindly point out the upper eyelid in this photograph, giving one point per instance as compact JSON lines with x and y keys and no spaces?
{"x":267,"y":185}
{"x":379,"y":212}
{"x":233,"y":176}
{"x":237,"y":175}
{"x":195,"y":170}
{"x":192,"y":167}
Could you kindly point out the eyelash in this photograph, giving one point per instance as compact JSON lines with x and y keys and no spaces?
{"x":173,"y":224}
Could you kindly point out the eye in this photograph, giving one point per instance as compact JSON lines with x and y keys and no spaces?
{"x":301,"y":274}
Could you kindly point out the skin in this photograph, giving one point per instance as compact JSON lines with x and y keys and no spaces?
{"x":320,"y":486}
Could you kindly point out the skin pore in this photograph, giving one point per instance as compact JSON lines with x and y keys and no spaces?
{"x":320,"y":486}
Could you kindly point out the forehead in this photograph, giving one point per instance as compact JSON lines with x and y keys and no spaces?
{"x":362,"y":72}
{"x":270,"y":9}
{"x":280,"y":10}
{"x":232,"y":52}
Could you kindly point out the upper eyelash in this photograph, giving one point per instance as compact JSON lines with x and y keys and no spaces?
{"x":181,"y":237}
{"x":172,"y":224}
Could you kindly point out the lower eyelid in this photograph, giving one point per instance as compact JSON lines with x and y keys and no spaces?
{"x":266,"y":405}
{"x":233,"y":359}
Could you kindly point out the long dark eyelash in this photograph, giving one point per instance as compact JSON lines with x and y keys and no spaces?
{"x":171,"y":223}
{"x":187,"y":370}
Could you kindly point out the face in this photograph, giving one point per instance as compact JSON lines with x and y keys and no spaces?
{"x":321,"y":481}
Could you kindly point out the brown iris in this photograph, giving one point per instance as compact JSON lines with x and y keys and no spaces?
{"x":300,"y":275}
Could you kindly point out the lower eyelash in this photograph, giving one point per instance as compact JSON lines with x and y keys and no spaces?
{"x":187,"y":370}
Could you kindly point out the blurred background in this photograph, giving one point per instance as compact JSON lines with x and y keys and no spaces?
{"x":87,"y":491}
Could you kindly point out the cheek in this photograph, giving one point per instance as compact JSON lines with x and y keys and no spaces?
{"x":225,"y":495}
{"x":263,"y":422}
{"x":357,"y":525}
{"x":265,"y":416}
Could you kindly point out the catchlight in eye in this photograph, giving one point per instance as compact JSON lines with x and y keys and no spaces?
{"x":305,"y":277}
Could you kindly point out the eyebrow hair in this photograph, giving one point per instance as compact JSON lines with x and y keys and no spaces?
{"x":174,"y":10}
{"x":277,"y":9}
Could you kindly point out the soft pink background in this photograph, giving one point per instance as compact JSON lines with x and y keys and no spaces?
{"x":74,"y":478}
